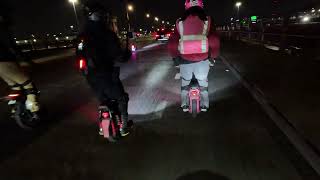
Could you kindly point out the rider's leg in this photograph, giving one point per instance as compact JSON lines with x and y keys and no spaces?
{"x":13,"y":75}
{"x":201,"y":73}
{"x":97,"y":83}
{"x":13,"y":86}
{"x":107,"y":86}
{"x":8,"y":81}
{"x":119,"y":93}
{"x":186,"y":71}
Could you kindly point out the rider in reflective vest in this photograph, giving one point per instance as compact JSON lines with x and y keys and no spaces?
{"x":195,"y":42}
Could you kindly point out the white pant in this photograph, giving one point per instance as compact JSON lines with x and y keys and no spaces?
{"x":200,"y":70}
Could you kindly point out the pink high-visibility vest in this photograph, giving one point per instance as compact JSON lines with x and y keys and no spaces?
{"x":193,"y":35}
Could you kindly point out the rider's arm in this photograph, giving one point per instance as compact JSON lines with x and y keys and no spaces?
{"x":173,"y":44}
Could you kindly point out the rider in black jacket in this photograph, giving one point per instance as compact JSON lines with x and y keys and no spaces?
{"x":101,"y":47}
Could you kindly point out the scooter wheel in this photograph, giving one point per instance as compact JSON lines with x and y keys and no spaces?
{"x":194,"y":108}
{"x":26,"y":119}
{"x":107,"y":130}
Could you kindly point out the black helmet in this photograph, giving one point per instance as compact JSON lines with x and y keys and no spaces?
{"x":94,"y":6}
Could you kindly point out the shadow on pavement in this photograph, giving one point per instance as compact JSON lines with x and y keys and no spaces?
{"x":202,"y":175}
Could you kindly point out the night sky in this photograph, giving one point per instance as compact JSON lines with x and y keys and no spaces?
{"x":53,"y":16}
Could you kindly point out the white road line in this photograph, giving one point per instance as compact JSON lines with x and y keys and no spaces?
{"x":51,"y":58}
{"x":148,"y":47}
{"x":275,"y":48}
{"x":293,"y":135}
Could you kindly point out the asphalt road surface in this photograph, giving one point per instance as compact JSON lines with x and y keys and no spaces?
{"x":235,"y":140}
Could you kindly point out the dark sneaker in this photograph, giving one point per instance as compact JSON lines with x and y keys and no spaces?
{"x":185,"y":108}
{"x":204,"y":109}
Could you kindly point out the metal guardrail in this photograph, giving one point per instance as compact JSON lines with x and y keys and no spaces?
{"x":292,"y":42}
{"x":276,"y":34}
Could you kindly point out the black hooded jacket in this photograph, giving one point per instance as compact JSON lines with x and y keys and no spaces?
{"x":102,"y":45}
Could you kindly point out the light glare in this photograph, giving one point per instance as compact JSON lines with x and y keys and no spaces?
{"x":306,"y":19}
{"x":73,"y":1}
{"x":130,"y":7}
{"x":238,"y":4}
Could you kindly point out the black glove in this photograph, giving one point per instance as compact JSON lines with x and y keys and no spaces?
{"x":176,"y":61}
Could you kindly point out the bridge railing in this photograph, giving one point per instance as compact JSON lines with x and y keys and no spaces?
{"x":293,"y":43}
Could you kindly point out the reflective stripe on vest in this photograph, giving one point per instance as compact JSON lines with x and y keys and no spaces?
{"x":205,"y":28}
{"x":203,"y":38}
{"x":181,"y":49}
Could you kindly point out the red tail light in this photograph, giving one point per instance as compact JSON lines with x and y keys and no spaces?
{"x":194,"y":93}
{"x":82,"y":64}
{"x":105,"y":115}
{"x":14,"y":95}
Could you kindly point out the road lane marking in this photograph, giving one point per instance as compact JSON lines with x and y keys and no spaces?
{"x":148,"y":47}
{"x":52,"y":58}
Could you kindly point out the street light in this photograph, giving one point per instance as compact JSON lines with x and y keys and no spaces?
{"x":73,"y":2}
{"x":130,"y":7}
{"x":306,"y":19}
{"x":156,"y":19}
{"x":238,"y":4}
{"x":148,"y":15}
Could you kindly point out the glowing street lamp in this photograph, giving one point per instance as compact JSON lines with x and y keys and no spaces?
{"x":148,"y":15}
{"x":306,"y":19}
{"x":130,"y":7}
{"x":238,"y":4}
{"x":156,"y":19}
{"x":74,"y":2}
